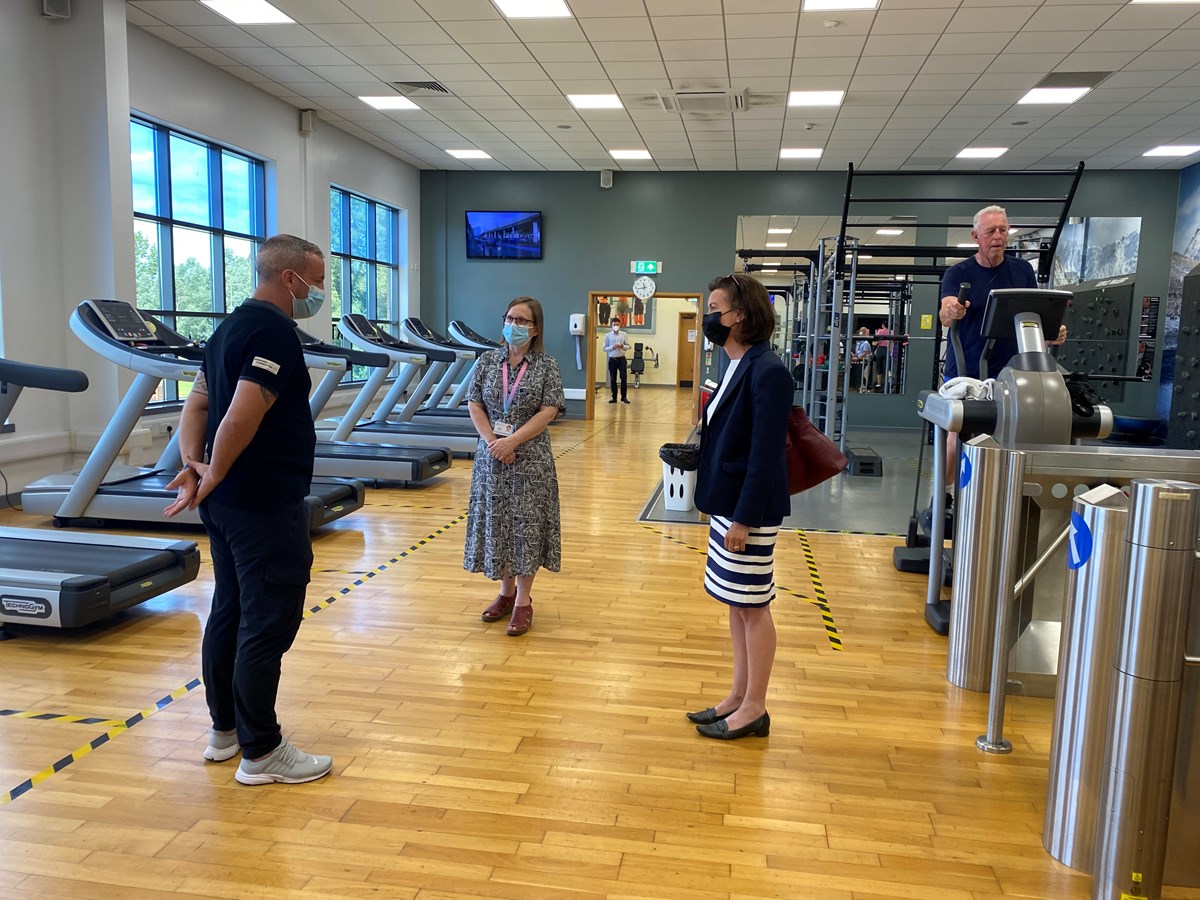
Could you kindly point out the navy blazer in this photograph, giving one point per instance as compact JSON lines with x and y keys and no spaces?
{"x":743,"y":464}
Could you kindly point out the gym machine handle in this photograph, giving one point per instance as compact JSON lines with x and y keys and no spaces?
{"x":964,"y":290}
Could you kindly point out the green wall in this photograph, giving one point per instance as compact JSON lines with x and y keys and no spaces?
{"x":689,"y":221}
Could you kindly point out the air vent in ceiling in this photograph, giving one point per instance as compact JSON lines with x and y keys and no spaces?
{"x":420,"y":88}
{"x":685,"y":102}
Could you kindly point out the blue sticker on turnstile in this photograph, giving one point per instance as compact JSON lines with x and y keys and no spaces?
{"x":964,"y":471}
{"x":1079,"y":543}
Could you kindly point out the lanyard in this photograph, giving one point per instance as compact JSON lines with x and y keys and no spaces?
{"x":509,"y":396}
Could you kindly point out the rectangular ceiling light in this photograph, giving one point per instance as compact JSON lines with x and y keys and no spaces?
{"x":468,"y":154}
{"x":595,"y":101}
{"x":1173,"y":150}
{"x":768,"y":271}
{"x":964,"y":246}
{"x":800,"y":153}
{"x":1164,"y":1}
{"x":534,"y":9}
{"x":890,"y":231}
{"x":815,"y":98}
{"x":1059,"y":95}
{"x":981,"y":152}
{"x":819,"y":5}
{"x":779,"y":231}
{"x":629,"y":154}
{"x":389,"y":101}
{"x":248,"y":12}
{"x":776,"y":246}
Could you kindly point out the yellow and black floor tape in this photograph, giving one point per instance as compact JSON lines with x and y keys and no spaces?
{"x":116,"y":727}
{"x":821,"y":602}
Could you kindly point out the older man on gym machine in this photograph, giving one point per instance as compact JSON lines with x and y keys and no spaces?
{"x":989,"y":269}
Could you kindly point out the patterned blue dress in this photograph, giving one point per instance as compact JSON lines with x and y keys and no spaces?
{"x":512,"y":516}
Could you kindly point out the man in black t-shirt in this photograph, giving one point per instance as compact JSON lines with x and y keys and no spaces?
{"x":248,"y":415}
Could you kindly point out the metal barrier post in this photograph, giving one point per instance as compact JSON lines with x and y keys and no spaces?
{"x":977,"y":528}
{"x":1006,"y":577}
{"x":1095,"y":595}
{"x":1135,"y":792}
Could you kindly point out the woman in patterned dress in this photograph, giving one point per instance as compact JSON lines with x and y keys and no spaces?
{"x":512,"y":517}
{"x":742,"y":484}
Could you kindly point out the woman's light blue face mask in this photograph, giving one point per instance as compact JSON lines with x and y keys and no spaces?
{"x":516,"y":335}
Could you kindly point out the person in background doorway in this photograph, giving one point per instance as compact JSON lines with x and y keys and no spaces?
{"x":879,"y":360}
{"x":742,"y":484}
{"x":248,"y":415}
{"x":513,"y":527}
{"x":615,"y":343}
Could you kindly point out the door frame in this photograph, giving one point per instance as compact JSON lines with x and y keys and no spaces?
{"x":589,"y":365}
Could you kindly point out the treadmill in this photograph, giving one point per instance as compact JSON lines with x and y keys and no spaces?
{"x":63,"y":580}
{"x":379,"y":462}
{"x":464,"y":334}
{"x":416,"y":332}
{"x":460,"y":437}
{"x":104,"y":490}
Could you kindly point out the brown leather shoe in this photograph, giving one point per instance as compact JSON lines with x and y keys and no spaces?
{"x":522,"y":618}
{"x":500,"y":608}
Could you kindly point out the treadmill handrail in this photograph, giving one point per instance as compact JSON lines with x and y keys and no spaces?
{"x":422,"y":335}
{"x":397,"y":350}
{"x":469,"y":336}
{"x":45,"y":378}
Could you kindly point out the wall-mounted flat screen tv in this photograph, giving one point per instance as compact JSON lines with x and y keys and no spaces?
{"x":504,"y":235}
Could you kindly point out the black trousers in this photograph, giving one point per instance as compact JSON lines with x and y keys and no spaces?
{"x":261,"y":564}
{"x":618,"y":364}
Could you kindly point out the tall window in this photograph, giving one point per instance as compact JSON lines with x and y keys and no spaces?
{"x":199,"y":214}
{"x":364,"y":269}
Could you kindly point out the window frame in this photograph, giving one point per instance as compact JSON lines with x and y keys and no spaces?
{"x":164,"y":224}
{"x":342,"y":255}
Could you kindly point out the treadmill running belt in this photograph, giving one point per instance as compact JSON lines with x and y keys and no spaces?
{"x":117,"y":564}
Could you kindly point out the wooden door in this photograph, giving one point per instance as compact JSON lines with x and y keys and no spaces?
{"x":685,"y":373}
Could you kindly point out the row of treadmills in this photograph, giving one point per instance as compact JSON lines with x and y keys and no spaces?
{"x":57,"y":579}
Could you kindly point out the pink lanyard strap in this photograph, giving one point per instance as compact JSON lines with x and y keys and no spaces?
{"x":509,"y":396}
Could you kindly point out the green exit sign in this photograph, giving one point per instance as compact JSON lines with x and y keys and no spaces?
{"x":644,"y":267}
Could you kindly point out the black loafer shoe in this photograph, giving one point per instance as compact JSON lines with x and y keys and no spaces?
{"x":707,"y":716}
{"x":760,"y":727}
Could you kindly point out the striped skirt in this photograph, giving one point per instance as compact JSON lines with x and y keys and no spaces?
{"x":741,"y":579}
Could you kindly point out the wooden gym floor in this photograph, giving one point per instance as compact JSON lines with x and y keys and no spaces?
{"x":471,"y":764}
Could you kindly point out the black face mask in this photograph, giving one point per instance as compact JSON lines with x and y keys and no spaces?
{"x":711,"y":325}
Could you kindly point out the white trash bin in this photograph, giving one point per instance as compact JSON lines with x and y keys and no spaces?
{"x":679,"y":488}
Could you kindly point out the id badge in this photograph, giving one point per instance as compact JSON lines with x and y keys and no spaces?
{"x":503,"y":429}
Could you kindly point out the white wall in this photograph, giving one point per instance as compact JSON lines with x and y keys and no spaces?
{"x":66,"y":223}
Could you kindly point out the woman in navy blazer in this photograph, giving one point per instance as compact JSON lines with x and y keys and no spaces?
{"x":742,"y":484}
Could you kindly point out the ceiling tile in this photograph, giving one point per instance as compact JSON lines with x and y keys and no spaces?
{"x":689,"y":28}
{"x":547,"y":29}
{"x":889,"y":65}
{"x":316,"y":11}
{"x":316,"y":56}
{"x":491,"y":31}
{"x":415,"y":34}
{"x":1069,"y":17}
{"x":381,"y":55}
{"x":760,"y":25}
{"x":950,"y":65}
{"x":344,"y":35}
{"x":387,"y":10}
{"x":563,"y":51}
{"x":848,"y":48}
{"x":761,"y":48}
{"x":175,"y":36}
{"x":180,"y":12}
{"x":900,"y":45}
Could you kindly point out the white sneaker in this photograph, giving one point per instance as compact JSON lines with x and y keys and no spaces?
{"x":221,"y":746}
{"x":285,"y":764}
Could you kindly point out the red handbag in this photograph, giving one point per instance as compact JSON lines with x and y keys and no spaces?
{"x":811,"y":457}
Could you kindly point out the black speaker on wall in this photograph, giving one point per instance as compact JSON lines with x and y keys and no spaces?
{"x":56,"y":9}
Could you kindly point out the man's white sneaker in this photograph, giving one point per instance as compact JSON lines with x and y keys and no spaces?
{"x":285,"y":764}
{"x":221,"y":746}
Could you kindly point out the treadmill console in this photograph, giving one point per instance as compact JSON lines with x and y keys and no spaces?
{"x":360,"y":324}
{"x":123,"y":321}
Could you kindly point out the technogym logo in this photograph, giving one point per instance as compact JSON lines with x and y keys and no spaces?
{"x":26,"y":607}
